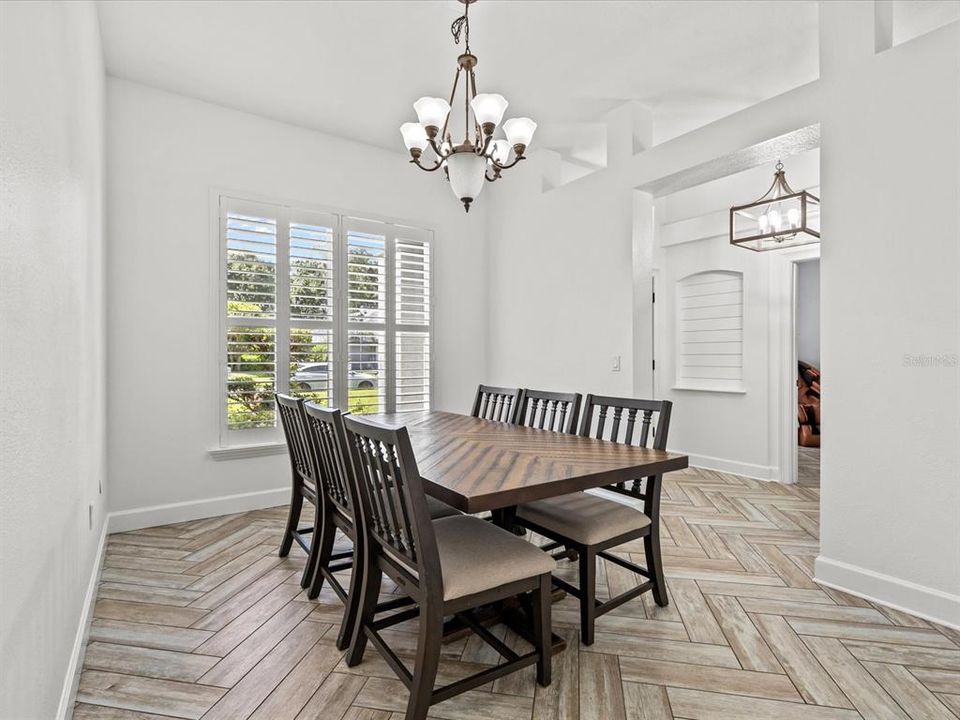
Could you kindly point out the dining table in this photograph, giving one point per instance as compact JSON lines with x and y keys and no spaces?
{"x":476,"y":465}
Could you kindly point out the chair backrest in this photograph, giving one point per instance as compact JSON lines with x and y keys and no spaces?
{"x":615,"y":419}
{"x":496,"y":403}
{"x":326,"y":432}
{"x":294,"y":422}
{"x":390,"y":497}
{"x":549,"y":410}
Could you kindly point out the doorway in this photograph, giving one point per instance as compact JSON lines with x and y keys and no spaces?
{"x":807,"y":370}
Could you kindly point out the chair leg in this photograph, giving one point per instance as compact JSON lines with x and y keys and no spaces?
{"x":542,"y":631}
{"x":370,"y":591}
{"x":352,"y":608}
{"x":293,"y":520}
{"x":588,"y":592}
{"x":311,"y":565}
{"x":320,"y":551}
{"x":429,"y":637}
{"x":651,"y":547}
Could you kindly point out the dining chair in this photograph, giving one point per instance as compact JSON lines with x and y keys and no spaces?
{"x":450,"y":566}
{"x":303,"y":468}
{"x":335,"y":511}
{"x":549,"y":410}
{"x":496,"y":403}
{"x":589,"y":525}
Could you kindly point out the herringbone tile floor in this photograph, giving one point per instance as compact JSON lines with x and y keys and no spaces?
{"x":203,"y":620}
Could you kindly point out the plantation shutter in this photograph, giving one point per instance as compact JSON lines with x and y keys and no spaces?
{"x":367,"y":303}
{"x":249,"y":234}
{"x":313,"y":363}
{"x":412,"y":347}
{"x":330,"y":308}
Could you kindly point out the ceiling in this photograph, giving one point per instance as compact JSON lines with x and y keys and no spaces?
{"x":353,"y":69}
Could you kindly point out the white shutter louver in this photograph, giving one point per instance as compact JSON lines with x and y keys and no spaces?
{"x":366,"y":318}
{"x":366,"y":277}
{"x":412,"y":347}
{"x":311,"y":272}
{"x":312,"y":299}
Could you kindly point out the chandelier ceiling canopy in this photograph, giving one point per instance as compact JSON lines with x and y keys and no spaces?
{"x":479,"y":157}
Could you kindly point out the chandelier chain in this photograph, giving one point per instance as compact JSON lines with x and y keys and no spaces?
{"x":462,"y":26}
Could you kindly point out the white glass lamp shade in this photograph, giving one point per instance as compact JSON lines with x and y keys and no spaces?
{"x":466,"y":171}
{"x":501,"y":151}
{"x":520,"y":131}
{"x":414,"y":136}
{"x":432,"y":112}
{"x":488,"y":109}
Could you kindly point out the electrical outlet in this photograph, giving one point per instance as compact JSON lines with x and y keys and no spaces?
{"x":90,"y":516}
{"x":615,"y":365}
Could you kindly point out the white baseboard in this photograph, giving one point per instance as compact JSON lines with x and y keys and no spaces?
{"x":72,"y":677}
{"x":757,"y":472}
{"x":138,"y":518}
{"x":924,"y":602}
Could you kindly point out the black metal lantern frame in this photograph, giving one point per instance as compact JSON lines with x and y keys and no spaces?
{"x":782,"y":218}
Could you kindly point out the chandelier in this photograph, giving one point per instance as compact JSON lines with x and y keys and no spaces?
{"x":780,"y":219}
{"x":480,"y":156}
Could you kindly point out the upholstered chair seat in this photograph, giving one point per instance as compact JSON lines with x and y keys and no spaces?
{"x":440,"y":509}
{"x":584,"y":518}
{"x":476,"y":555}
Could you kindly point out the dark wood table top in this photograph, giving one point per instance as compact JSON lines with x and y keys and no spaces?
{"x":476,"y":465}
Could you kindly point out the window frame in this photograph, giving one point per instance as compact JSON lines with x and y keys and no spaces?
{"x":241,"y":441}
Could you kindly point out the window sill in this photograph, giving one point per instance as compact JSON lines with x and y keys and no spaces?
{"x":732,"y":389}
{"x":238,"y":452}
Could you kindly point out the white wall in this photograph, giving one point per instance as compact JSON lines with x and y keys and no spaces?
{"x":890,"y":275}
{"x":561,"y":284}
{"x":52,"y":331}
{"x":808,"y":312}
{"x":165,"y":153}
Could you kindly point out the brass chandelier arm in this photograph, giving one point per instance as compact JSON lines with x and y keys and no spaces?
{"x":476,"y":127}
{"x":453,"y":93}
{"x":498,"y":166}
{"x":486,"y":146}
{"x":437,"y":150}
{"x":437,"y":166}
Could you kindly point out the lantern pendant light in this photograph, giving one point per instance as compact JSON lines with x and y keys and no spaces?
{"x":780,"y":219}
{"x":480,"y":157}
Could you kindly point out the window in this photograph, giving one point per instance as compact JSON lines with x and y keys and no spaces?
{"x":321,"y":305}
{"x":710,"y":331}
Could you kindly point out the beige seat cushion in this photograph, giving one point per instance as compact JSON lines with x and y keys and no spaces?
{"x":584,"y":518}
{"x":476,"y":555}
{"x":439,"y":509}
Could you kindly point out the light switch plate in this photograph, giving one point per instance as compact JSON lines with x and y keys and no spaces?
{"x":615,"y":365}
